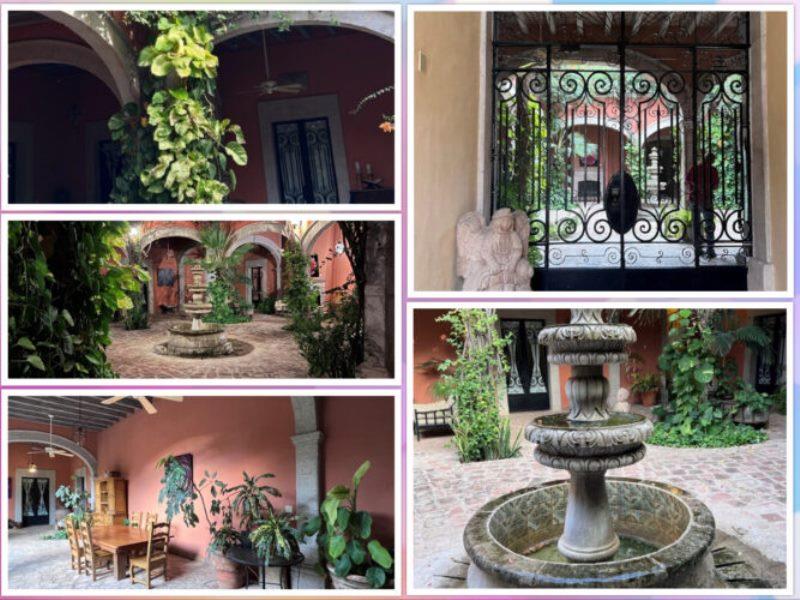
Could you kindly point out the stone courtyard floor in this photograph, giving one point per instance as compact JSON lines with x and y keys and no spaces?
{"x":273,"y":352}
{"x":35,"y":563}
{"x":745,"y":488}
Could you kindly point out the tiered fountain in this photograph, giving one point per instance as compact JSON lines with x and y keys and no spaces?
{"x":198,"y":339}
{"x":591,"y":531}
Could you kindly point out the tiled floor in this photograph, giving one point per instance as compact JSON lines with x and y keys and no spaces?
{"x":745,"y":488}
{"x":274,"y":353}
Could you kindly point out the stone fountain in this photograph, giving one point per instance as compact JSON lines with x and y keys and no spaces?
{"x":591,"y":531}
{"x":197,"y":339}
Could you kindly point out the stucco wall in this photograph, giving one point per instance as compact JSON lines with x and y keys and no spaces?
{"x":777,"y":140}
{"x":446,"y":120}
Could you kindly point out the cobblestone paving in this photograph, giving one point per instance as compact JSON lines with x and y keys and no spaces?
{"x":34,"y":563}
{"x":274,"y":353}
{"x":745,"y":488}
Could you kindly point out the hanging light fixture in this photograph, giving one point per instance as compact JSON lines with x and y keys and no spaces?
{"x":32,"y":468}
{"x":80,"y":433}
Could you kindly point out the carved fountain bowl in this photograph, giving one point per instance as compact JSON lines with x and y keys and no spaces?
{"x":587,"y":344}
{"x":667,"y":531}
{"x":622,"y":433}
{"x":210,"y":340}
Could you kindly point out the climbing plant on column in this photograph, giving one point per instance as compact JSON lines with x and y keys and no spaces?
{"x":173,"y":146}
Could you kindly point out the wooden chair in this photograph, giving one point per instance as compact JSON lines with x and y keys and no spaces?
{"x":93,"y":557}
{"x":75,"y":546}
{"x":149,"y":519}
{"x":156,"y":557}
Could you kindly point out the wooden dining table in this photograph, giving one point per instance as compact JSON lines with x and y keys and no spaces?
{"x":120,"y":540}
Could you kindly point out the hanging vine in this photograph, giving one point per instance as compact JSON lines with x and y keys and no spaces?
{"x":173,"y":146}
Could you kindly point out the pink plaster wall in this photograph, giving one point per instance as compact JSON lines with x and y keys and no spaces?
{"x":430,"y":344}
{"x":351,"y":66}
{"x":335,"y":270}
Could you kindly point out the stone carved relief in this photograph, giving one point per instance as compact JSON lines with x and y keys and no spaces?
{"x":494,"y":257}
{"x":589,"y":441}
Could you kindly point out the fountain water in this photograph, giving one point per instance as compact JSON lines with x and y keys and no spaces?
{"x":198,"y":339}
{"x":591,"y":531}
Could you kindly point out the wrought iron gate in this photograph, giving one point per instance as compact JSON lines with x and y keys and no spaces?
{"x":626,"y":139}
{"x":526,"y":380}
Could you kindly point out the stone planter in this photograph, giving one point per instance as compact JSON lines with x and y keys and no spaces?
{"x":229,"y":575}
{"x":747,"y":416}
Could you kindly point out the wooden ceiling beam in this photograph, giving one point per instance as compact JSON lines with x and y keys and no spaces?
{"x":47,"y":408}
{"x":37,"y":417}
{"x":90,"y":405}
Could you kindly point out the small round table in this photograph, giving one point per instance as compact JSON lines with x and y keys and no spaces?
{"x":248,"y":557}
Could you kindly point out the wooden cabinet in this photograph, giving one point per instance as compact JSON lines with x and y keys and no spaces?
{"x":111,"y":498}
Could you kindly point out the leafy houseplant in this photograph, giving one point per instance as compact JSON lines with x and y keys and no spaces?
{"x":472,"y":379}
{"x":646,"y":385}
{"x":752,"y":406}
{"x":65,"y":286}
{"x":77,"y":502}
{"x":275,"y":536}
{"x":353,"y":558}
{"x":248,"y":502}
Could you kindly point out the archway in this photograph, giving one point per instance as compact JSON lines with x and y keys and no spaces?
{"x":266,"y":243}
{"x":187,"y":238}
{"x":26,"y":436}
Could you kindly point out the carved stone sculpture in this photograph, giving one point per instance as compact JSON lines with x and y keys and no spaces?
{"x":494,"y":257}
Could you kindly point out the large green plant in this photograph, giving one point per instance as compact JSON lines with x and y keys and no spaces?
{"x":65,"y":285}
{"x":330,"y":339}
{"x":301,"y":298}
{"x":472,"y":380}
{"x":275,"y":535}
{"x":222,"y":259}
{"x":344,"y":534}
{"x":173,"y":146}
{"x":250,"y":499}
{"x":75,"y":501}
{"x":136,"y":317}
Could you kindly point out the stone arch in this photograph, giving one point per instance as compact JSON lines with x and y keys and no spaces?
{"x":312,"y":234}
{"x":37,"y":52}
{"x":379,"y":23}
{"x":107,"y":40}
{"x":29,"y":436}
{"x":160,"y":233}
{"x":264,"y":242}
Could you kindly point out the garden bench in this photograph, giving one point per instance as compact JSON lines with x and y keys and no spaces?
{"x":433,"y":416}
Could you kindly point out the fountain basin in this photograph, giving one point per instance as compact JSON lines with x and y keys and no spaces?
{"x":209,"y":340}
{"x":666,"y":536}
{"x":557,"y":435}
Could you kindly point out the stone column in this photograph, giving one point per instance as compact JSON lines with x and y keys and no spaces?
{"x":379,"y":300}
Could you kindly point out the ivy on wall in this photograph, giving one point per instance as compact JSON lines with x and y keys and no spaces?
{"x":65,"y":285}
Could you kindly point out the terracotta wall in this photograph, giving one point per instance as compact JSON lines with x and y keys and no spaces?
{"x":351,"y":66}
{"x":430,"y":344}
{"x":349,"y":442}
{"x":229,"y":435}
{"x":334,"y":269}
{"x":446,"y":121}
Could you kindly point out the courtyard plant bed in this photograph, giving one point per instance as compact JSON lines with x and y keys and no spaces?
{"x":709,"y":403}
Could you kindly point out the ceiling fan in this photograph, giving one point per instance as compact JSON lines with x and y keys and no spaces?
{"x":144,"y":401}
{"x":292,"y":83}
{"x":51,"y":450}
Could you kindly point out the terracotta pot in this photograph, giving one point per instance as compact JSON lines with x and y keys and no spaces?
{"x":229,"y":575}
{"x":351,"y":582}
{"x":648,"y":398}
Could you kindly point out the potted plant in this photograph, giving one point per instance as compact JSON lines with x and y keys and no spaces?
{"x":249,"y":501}
{"x":646,"y":386}
{"x":752,"y":406}
{"x":353,"y":559}
{"x":275,"y":536}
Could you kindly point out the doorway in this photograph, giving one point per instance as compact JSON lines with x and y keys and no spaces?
{"x":526,"y":380}
{"x":256,"y":284}
{"x":35,"y":501}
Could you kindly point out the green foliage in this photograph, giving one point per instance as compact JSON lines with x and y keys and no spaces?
{"x":747,"y":397}
{"x":720,"y":435}
{"x":695,"y":359}
{"x":222,"y":260}
{"x":505,"y":447}
{"x":645,"y":382}
{"x":275,"y":535}
{"x":267,"y":305}
{"x":301,"y":298}
{"x":65,"y":285}
{"x":248,"y":502}
{"x":77,"y":502}
{"x":344,"y":535}
{"x":136,"y":317}
{"x":59,"y":534}
{"x":779,"y":400}
{"x":472,"y":380}
{"x":173,"y":147}
{"x":329,"y":340}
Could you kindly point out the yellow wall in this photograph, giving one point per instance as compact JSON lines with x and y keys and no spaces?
{"x":777,"y":140}
{"x":446,"y":120}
